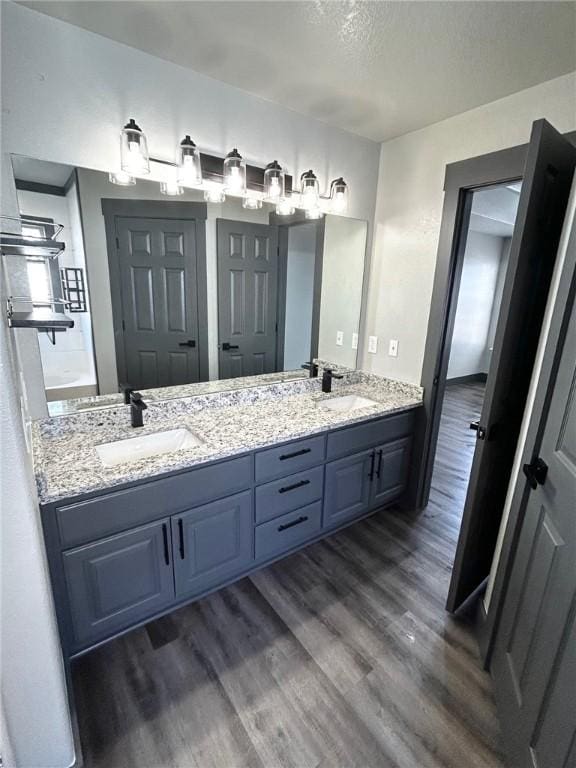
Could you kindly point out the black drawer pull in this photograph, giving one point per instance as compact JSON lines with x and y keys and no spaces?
{"x":296,"y":453}
{"x":293,"y":487}
{"x":181,"y":533}
{"x":298,"y":520}
{"x":165,"y":536}
{"x":379,"y":470}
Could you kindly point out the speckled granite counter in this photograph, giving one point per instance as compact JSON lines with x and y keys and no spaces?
{"x":66,"y":463}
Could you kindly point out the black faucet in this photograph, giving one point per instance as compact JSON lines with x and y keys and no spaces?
{"x":137,"y":407}
{"x":327,"y":376}
{"x":312,"y":367}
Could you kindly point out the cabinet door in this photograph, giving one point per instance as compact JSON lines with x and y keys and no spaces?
{"x":391,"y":471}
{"x":212,"y":543}
{"x":119,"y":581}
{"x":347,"y":492}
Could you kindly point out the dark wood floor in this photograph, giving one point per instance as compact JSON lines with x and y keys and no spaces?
{"x":340,"y":656}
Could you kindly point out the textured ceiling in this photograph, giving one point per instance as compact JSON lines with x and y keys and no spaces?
{"x":378,"y":69}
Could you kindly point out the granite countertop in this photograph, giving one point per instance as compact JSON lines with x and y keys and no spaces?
{"x":229,"y":423}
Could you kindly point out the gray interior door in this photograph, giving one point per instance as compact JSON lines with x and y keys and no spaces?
{"x":247,"y":297}
{"x":158,"y":286}
{"x":534,"y":663}
{"x":546,"y":185}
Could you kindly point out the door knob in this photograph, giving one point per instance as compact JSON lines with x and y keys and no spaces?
{"x":480,"y":431}
{"x":189,"y":343}
{"x":536,"y":472}
{"x":226,"y":346}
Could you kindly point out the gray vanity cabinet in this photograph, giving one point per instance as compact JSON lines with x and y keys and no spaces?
{"x":212,"y":544}
{"x":348,"y":487}
{"x":391,"y":465}
{"x":119,"y":581}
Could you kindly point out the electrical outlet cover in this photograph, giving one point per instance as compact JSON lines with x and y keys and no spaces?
{"x":373,"y":344}
{"x":339,"y":338}
{"x":393,"y":348}
{"x":354,"y":341}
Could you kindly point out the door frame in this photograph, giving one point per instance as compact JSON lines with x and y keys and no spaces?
{"x":461,"y":179}
{"x":284,"y":227}
{"x":548,"y":356}
{"x":113,"y":208}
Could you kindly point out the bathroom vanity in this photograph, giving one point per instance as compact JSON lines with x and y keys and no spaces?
{"x":133,"y":541}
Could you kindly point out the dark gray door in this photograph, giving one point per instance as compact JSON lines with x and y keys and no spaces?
{"x":348,"y":487}
{"x":247,"y":297}
{"x":546,"y":185}
{"x":158,"y":282}
{"x":534,"y":663}
{"x":390,"y":471}
{"x":119,"y":581}
{"x":212,"y":543}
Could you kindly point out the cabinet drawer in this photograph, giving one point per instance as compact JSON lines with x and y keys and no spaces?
{"x":113,"y":512}
{"x":289,"y":458}
{"x":353,"y":439}
{"x":280,"y":496}
{"x":119,"y":581}
{"x":286,"y":532}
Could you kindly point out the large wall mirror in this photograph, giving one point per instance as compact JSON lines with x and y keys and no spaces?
{"x":169,"y":291}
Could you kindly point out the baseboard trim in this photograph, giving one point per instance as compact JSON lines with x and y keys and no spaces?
{"x":469,"y":379}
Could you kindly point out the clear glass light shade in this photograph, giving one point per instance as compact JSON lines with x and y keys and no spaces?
{"x":171,"y":188}
{"x":234,"y":173}
{"x":309,"y":191}
{"x":339,"y":196}
{"x":214,"y":193}
{"x":134,"y":157}
{"x":252,"y":202}
{"x":189,"y":164}
{"x":273,"y":182}
{"x":122,"y":179}
{"x":313,"y":213}
{"x":285,"y":207}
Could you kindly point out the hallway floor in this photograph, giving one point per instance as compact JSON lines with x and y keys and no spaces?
{"x":341,"y":655}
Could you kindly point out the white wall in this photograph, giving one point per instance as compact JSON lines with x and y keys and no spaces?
{"x":342,"y":281}
{"x":476,"y":303}
{"x":409,"y":209}
{"x":299,"y":295}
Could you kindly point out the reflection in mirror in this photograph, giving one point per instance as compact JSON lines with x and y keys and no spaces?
{"x":171,"y":292}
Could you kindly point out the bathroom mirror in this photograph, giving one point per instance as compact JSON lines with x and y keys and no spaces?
{"x":167,"y":291}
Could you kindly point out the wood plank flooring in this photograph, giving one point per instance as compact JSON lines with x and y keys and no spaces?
{"x":339,"y":656}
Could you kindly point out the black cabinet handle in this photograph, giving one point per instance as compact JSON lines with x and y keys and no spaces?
{"x":379,"y":469}
{"x":296,"y":453}
{"x":189,"y":343}
{"x":536,"y":472}
{"x":166,"y":551}
{"x":293,"y":487}
{"x":293,"y":523}
{"x":480,"y":431}
{"x":372,"y":460}
{"x":226,"y":346}
{"x":181,"y":536}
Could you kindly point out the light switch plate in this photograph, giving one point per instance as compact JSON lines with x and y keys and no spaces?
{"x":354,"y":341}
{"x":339,"y":338}
{"x":373,"y":344}
{"x":393,"y":348}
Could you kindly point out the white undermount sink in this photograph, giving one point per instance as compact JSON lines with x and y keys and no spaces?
{"x":346,"y":403}
{"x":137,"y":448}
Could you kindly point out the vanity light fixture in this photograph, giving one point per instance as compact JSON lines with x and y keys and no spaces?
{"x":313,"y":213}
{"x":122,"y":179}
{"x":273,"y":182}
{"x":234,"y":173}
{"x":339,"y":196}
{"x":309,"y":191}
{"x":214,"y":192}
{"x":285,"y":207}
{"x":252,"y":202}
{"x":171,"y":188}
{"x":134,"y":157}
{"x":189,"y":164}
